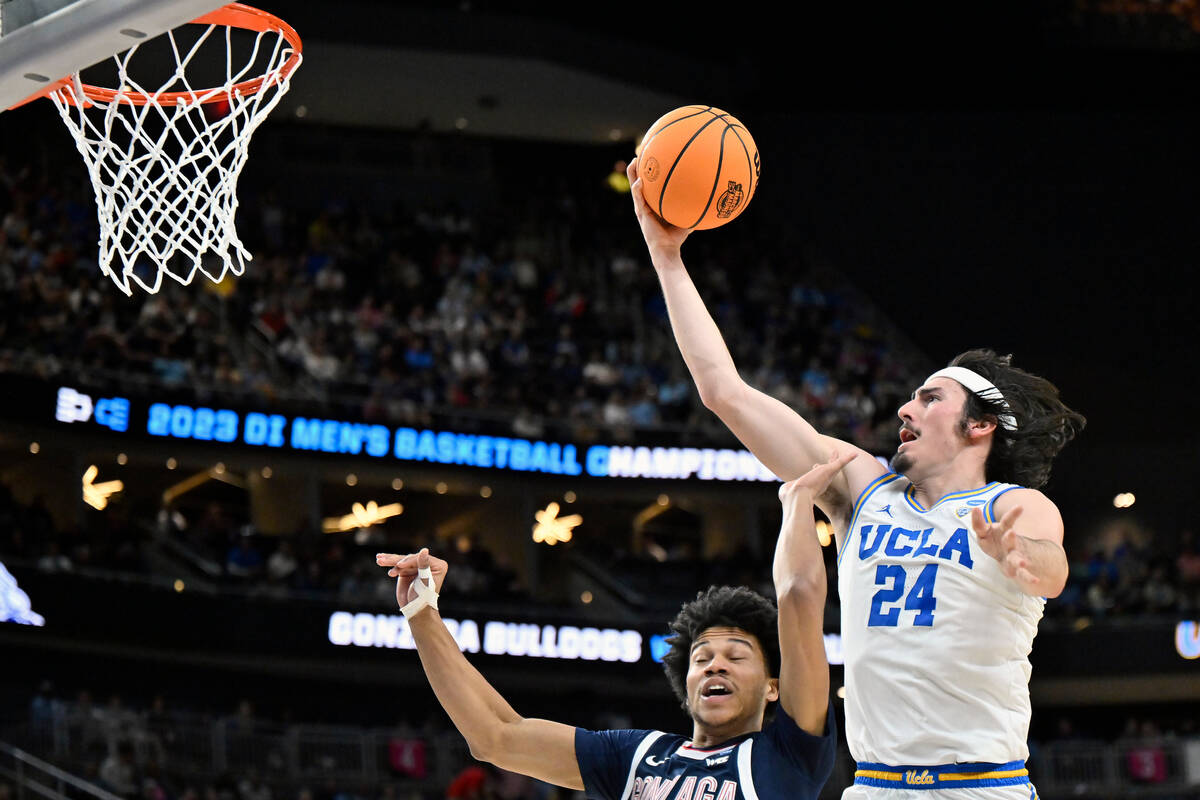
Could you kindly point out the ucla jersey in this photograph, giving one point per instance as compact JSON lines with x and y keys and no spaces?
{"x":936,"y":637}
{"x":780,"y":762}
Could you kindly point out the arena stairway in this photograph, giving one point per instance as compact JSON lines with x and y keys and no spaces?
{"x":32,"y":776}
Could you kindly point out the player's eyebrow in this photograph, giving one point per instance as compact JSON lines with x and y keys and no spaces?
{"x":738,"y":639}
{"x":924,"y":392}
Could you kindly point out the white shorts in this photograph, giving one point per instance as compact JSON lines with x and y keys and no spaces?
{"x":1020,"y":791}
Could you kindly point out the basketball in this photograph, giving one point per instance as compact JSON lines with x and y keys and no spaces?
{"x":699,"y":167}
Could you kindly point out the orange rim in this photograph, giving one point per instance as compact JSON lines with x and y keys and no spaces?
{"x":234,"y":15}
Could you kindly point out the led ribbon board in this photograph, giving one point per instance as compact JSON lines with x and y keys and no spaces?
{"x":521,"y":639}
{"x":495,"y":638}
{"x":291,"y":433}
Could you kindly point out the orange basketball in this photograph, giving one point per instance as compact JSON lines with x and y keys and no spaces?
{"x":699,"y":167}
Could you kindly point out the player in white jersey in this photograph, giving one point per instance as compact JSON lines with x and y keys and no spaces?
{"x":944,"y":560}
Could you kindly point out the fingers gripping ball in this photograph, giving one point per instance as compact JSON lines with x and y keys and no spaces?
{"x":699,"y":167}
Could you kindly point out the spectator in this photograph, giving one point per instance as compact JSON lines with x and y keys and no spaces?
{"x":281,"y":564}
{"x":1158,"y":593}
{"x":117,"y":723}
{"x":1145,"y":759}
{"x":1100,"y":599}
{"x":252,"y":787}
{"x":118,"y":773}
{"x":644,"y":411}
{"x":243,"y":559}
{"x":527,"y":425}
{"x":1187,"y":565}
{"x":1100,"y":566}
{"x":473,"y":783}
{"x":53,"y":559}
{"x":83,"y":721}
{"x":159,"y":729}
{"x":615,"y":412}
{"x":44,"y":710}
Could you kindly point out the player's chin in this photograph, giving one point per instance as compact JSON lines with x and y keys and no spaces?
{"x":901,"y":463}
{"x":714,"y":717}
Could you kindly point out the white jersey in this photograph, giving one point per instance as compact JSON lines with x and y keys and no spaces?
{"x":936,"y":637}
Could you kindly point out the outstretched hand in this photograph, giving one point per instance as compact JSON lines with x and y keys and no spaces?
{"x":1001,"y":542}
{"x":661,"y":236}
{"x":404,"y":570}
{"x":816,"y":480}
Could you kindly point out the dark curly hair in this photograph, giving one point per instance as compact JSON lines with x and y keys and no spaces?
{"x":720,"y":606}
{"x":1044,"y":423}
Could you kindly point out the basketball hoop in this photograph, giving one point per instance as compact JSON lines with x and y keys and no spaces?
{"x":164,"y":168}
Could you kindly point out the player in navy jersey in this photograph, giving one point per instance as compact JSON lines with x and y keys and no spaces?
{"x":944,"y":560}
{"x":732,"y":654}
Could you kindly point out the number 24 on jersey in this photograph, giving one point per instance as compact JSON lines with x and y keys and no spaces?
{"x":885,"y":605}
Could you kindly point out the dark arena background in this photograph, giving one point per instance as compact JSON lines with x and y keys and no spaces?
{"x":450,"y":322}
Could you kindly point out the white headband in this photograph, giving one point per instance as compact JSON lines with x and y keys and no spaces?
{"x":981,"y":386}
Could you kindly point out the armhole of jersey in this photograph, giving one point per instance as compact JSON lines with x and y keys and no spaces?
{"x":745,"y":772}
{"x":638,"y":754}
{"x":990,"y":508}
{"x":989,"y":514}
{"x":883,"y":479}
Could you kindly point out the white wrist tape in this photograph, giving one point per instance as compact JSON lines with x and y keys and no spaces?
{"x":427,"y":596}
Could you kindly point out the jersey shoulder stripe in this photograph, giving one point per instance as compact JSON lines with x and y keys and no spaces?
{"x":638,"y":754}
{"x":745,"y":773}
{"x":872,"y":487}
{"x":989,"y":511}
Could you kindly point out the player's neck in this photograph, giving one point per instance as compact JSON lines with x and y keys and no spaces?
{"x":705,"y":737}
{"x":929,"y":489}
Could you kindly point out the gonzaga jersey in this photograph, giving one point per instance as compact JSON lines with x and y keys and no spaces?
{"x":936,"y":637}
{"x":780,"y":762}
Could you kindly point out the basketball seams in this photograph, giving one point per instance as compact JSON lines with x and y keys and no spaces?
{"x":749,"y":161}
{"x":667,"y":180}
{"x":716,"y":178}
{"x":746,"y":150}
{"x":647,"y":141}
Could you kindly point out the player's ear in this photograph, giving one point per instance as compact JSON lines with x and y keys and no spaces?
{"x":980,"y":427}
{"x":772,"y":689}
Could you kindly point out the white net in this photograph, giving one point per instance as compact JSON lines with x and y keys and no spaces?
{"x":165,"y":162}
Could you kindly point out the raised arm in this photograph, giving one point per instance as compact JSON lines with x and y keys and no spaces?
{"x":493,"y":730}
{"x":781,"y":439}
{"x":799,"y":573}
{"x":1031,"y":553}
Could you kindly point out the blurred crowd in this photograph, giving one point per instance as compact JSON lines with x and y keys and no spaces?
{"x":164,"y":751}
{"x":541,"y":316}
{"x":1125,"y":576}
{"x":342,"y":565}
{"x":28,"y":531}
{"x":1142,"y":751}
{"x":1132,"y":575}
{"x":223,"y":546}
